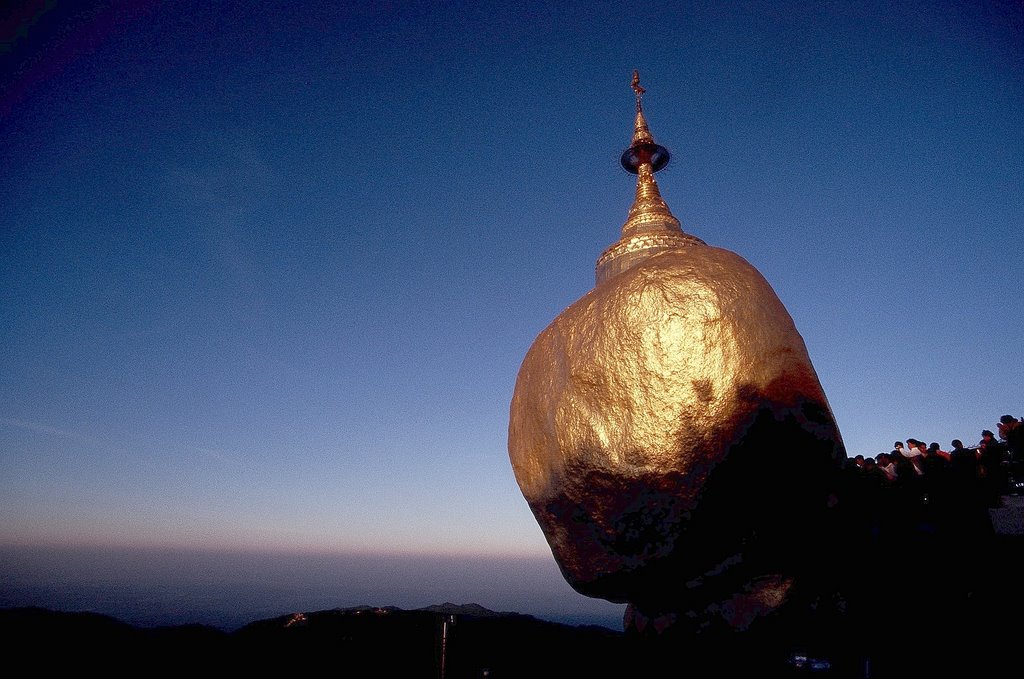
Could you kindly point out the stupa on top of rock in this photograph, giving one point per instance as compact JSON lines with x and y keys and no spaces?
{"x":669,"y":431}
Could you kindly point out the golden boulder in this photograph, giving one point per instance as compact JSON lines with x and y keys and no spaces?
{"x":668,"y":429}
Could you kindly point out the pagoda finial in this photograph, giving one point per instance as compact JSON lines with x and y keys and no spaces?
{"x":638,"y":90}
{"x":650,"y":227}
{"x":642,"y":148}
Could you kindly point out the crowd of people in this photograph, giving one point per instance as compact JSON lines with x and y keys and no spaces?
{"x":928,"y":475}
{"x":921,"y":554}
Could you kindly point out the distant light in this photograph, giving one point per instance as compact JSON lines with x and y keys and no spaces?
{"x":801,"y":661}
{"x":296,"y":619}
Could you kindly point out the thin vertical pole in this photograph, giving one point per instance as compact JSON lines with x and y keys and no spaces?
{"x":444,"y":644}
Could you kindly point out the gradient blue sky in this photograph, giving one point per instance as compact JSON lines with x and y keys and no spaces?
{"x":267,"y":273}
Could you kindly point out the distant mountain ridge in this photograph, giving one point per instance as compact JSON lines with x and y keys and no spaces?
{"x":380,"y":641}
{"x":475,"y":610}
{"x":447,"y":608}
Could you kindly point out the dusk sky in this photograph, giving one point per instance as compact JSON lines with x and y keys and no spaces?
{"x":268,"y":270}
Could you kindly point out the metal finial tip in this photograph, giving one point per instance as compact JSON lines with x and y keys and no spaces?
{"x":642,"y":150}
{"x":636,"y":88}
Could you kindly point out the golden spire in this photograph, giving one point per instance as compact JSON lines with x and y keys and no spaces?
{"x":650,"y":227}
{"x":641,"y":133}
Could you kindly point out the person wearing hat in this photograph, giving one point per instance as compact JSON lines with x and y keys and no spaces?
{"x":1011,"y":431}
{"x":992,"y":454}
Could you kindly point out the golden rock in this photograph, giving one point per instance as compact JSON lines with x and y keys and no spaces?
{"x":668,"y":429}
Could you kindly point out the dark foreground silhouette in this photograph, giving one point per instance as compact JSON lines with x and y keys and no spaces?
{"x":895,"y":587}
{"x":906,"y":611}
{"x":363,"y":641}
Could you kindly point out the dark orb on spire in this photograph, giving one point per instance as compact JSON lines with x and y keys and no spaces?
{"x":648,"y":152}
